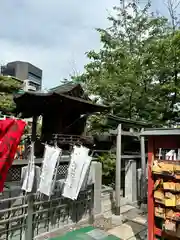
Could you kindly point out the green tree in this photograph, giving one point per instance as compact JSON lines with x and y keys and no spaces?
{"x":136,"y":72}
{"x":8,"y":86}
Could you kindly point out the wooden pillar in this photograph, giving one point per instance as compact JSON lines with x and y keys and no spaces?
{"x":34,"y":127}
{"x":118,"y":170}
{"x":150,"y":191}
{"x":30,"y":199}
{"x":143,"y":169}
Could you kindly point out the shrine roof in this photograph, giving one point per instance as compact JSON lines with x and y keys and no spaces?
{"x":37,"y":103}
{"x":160,"y":132}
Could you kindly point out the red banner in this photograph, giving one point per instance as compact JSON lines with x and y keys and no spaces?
{"x":11,"y":131}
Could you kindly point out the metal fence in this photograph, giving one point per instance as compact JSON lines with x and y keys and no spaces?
{"x":14,"y":174}
{"x":24,"y":217}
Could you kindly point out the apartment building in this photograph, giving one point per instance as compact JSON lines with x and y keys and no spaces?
{"x":28,"y":73}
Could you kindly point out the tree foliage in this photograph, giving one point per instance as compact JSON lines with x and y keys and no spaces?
{"x":8,"y":86}
{"x":108,"y":161}
{"x":137,"y":70}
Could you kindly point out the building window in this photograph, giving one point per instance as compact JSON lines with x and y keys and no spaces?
{"x":6,"y":70}
{"x":37,"y":86}
{"x":34,"y":78}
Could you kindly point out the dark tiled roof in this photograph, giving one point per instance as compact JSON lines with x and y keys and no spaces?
{"x":130,"y":122}
{"x":65,"y":88}
{"x":36,"y":103}
{"x":71,"y":89}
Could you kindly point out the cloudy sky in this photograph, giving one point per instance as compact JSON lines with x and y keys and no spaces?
{"x":53,"y":34}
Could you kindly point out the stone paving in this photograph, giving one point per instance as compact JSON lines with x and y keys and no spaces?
{"x":134,"y":225}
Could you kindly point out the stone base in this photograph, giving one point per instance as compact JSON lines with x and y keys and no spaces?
{"x":104,"y":223}
{"x":67,"y":228}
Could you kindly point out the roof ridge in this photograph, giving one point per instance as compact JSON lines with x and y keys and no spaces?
{"x":65,"y":84}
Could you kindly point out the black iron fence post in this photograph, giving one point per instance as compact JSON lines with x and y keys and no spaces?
{"x":29,"y":220}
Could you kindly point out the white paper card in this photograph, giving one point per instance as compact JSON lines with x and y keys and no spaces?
{"x":30,"y":173}
{"x":77,"y":171}
{"x":50,"y":159}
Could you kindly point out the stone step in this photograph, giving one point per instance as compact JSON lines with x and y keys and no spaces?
{"x":136,"y":216}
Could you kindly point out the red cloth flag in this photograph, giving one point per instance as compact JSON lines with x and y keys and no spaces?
{"x":11,"y":131}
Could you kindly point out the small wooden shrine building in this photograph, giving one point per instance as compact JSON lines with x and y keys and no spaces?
{"x":64,"y":110}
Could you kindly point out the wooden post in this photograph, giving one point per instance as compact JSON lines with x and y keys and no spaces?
{"x":143,"y":167}
{"x":151,"y":228}
{"x":34,"y":127}
{"x":30,"y":198}
{"x":29,"y":221}
{"x":118,"y":170}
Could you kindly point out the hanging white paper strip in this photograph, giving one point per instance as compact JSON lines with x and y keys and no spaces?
{"x":37,"y":171}
{"x":77,"y":171}
{"x":49,"y":163}
{"x":83,"y":174}
{"x":30,"y":172}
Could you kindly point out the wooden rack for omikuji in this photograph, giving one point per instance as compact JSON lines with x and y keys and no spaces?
{"x":163,"y":183}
